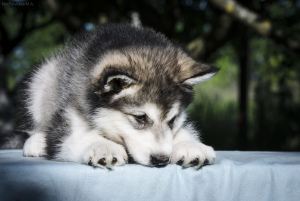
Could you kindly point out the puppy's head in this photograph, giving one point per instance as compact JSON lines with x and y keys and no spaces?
{"x":139,"y":97}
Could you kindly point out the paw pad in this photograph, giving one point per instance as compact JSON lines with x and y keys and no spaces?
{"x":180,"y":162}
{"x":194,"y":162}
{"x":102,"y":161}
{"x":114,"y":161}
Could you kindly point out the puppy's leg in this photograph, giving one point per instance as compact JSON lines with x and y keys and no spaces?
{"x":72,"y":139}
{"x":91,"y":149}
{"x":104,"y":153}
{"x":35,"y":145}
{"x":189,"y":151}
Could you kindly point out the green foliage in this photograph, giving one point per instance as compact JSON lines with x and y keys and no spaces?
{"x":36,"y":47}
{"x":11,"y":21}
{"x":215,"y":104}
{"x":276,"y":100}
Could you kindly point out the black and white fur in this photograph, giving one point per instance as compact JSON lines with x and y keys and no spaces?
{"x":115,"y":93}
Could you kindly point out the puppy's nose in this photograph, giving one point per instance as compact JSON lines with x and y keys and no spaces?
{"x":159,"y":160}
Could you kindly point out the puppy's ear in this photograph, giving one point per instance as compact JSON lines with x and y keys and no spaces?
{"x":192,"y":72}
{"x":199,"y":73}
{"x":116,"y":83}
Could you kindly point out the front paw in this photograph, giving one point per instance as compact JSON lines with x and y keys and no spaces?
{"x":35,"y":146}
{"x":105,"y":154}
{"x":192,"y":154}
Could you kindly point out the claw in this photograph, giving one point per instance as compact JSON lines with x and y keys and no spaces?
{"x":114,"y":161}
{"x":195,"y":162}
{"x":180,"y":162}
{"x":90,"y":162}
{"x":102,"y":161}
{"x":206,"y":162}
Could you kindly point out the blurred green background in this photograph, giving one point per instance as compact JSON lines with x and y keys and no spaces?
{"x":253,"y":103}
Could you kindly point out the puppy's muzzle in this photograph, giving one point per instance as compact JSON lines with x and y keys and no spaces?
{"x":159,"y":160}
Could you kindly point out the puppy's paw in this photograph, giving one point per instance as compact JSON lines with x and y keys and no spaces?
{"x":192,"y":154}
{"x":105,"y":154}
{"x":35,"y":146}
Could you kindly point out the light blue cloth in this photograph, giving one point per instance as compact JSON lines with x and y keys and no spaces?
{"x":236,"y":175}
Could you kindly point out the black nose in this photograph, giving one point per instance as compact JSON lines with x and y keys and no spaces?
{"x":159,"y":160}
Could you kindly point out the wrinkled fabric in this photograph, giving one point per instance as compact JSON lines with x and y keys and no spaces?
{"x":235,"y":176}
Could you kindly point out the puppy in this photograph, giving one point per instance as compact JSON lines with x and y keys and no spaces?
{"x":115,"y":93}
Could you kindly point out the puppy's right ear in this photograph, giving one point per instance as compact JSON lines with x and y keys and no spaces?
{"x":193,"y":72}
{"x":117,"y":82}
{"x":200,"y":73}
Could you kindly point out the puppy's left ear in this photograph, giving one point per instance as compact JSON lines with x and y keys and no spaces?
{"x":118,"y":82}
{"x":198,"y":73}
{"x":192,"y":72}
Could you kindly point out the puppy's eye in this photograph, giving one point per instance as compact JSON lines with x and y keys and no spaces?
{"x":171,"y":122}
{"x":141,"y":119}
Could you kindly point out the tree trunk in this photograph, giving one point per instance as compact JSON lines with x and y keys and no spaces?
{"x":243,"y":91}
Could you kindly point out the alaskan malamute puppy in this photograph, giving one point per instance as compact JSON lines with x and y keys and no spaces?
{"x":114,"y":94}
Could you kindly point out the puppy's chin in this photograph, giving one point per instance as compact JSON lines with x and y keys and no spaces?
{"x":131,"y":160}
